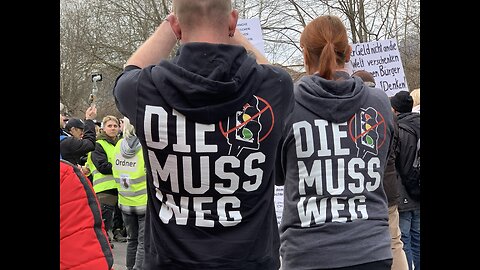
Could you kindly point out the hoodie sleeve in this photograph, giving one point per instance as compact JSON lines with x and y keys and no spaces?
{"x":125,"y":92}
{"x":281,"y":158}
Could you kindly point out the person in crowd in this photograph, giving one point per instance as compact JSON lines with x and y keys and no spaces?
{"x":333,"y":160}
{"x":210,"y":123}
{"x":103,"y":182}
{"x":391,"y":184}
{"x":118,"y":226}
{"x":366,"y":77}
{"x":64,"y":116}
{"x":80,"y":138}
{"x":63,"y":133}
{"x":63,"y":120}
{"x":120,"y":133}
{"x":129,"y":172}
{"x":416,"y":100}
{"x":98,"y":127}
{"x":83,"y":241}
{"x":409,"y":208}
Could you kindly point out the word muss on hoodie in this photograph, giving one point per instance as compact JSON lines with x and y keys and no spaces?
{"x":210,"y":123}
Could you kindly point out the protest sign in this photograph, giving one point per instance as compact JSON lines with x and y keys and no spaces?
{"x":382,"y":59}
{"x":252,"y":30}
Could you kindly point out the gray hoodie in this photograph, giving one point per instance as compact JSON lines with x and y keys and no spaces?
{"x":332,"y":163}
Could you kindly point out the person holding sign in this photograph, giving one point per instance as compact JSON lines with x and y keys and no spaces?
{"x":210,"y":122}
{"x":333,"y":160}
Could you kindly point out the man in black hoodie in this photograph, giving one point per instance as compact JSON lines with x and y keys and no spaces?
{"x":210,"y":123}
{"x":409,"y":208}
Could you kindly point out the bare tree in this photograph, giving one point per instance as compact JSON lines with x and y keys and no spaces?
{"x":100,"y":35}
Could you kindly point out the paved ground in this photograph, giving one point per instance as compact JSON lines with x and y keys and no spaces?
{"x":119,"y":253}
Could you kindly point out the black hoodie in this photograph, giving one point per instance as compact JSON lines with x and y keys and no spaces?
{"x":332,"y":164}
{"x":210,"y":122}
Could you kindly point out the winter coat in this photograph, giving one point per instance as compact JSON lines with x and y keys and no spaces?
{"x":83,"y":240}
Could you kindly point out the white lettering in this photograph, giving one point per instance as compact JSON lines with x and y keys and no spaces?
{"x":315,"y":176}
{"x":250,"y":171}
{"x":162,"y":127}
{"x":322,"y":129}
{"x":337,"y":135}
{"x":220,"y":172}
{"x":353,"y":187}
{"x":181,"y":145}
{"x":200,"y":220}
{"x":373,"y":166}
{"x":222,"y":213}
{"x":297,"y":128}
{"x":170,"y":169}
{"x":204,"y":175}
{"x":201,"y":147}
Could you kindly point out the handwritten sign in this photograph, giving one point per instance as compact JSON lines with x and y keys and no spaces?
{"x":382,"y":59}
{"x":252,"y":30}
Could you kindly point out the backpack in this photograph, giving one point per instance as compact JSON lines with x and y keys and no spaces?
{"x":412,"y":181}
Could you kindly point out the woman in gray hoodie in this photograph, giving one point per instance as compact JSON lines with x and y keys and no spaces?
{"x":332,"y":162}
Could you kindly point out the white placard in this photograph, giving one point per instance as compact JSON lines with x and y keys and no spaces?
{"x":251,"y":29}
{"x":382,"y":59}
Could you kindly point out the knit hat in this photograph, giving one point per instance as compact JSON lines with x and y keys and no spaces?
{"x":74,"y":122}
{"x":402,"y":102}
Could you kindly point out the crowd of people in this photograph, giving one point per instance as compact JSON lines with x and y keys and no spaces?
{"x":206,"y":135}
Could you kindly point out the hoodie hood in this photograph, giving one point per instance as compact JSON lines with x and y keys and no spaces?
{"x":411,"y":121}
{"x":207,"y":82}
{"x":332,"y":100}
{"x":129,"y":146}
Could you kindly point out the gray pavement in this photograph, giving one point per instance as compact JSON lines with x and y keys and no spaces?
{"x":119,"y":254}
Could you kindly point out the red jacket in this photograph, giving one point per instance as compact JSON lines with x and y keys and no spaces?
{"x":83,"y":240}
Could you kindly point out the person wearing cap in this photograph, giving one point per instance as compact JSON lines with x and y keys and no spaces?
{"x":81,"y":137}
{"x":408,"y":208}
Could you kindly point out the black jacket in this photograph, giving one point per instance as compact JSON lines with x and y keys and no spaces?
{"x":391,"y":181}
{"x":72,"y":149}
{"x":407,"y":145}
{"x":99,"y":156}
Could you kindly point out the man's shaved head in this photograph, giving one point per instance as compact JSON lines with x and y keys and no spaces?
{"x":202,"y":12}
